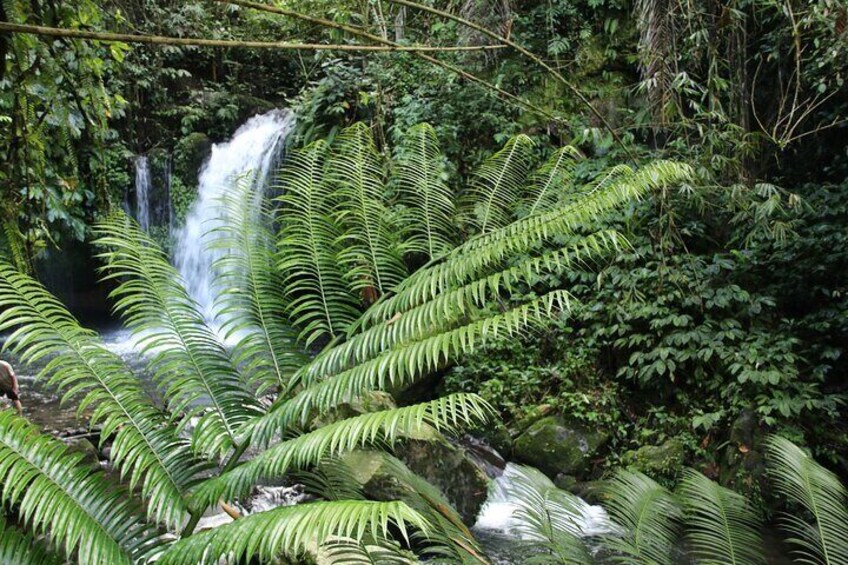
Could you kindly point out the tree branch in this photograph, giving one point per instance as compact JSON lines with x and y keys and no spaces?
{"x":199,"y":42}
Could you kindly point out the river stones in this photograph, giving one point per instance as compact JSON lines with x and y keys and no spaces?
{"x":557,"y":447}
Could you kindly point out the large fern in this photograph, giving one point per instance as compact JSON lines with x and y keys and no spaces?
{"x":189,"y":361}
{"x":820,"y":532}
{"x":145,"y":449}
{"x":252,"y":300}
{"x":318,"y":294}
{"x":370,"y":247}
{"x":721,"y":526}
{"x":83,"y":512}
{"x":498,"y":185}
{"x":421,"y":177}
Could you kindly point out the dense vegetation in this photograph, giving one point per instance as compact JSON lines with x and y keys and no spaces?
{"x":627,"y":222}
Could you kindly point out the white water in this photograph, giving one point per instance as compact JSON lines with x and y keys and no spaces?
{"x":498,"y":513}
{"x":254,"y":148}
{"x":142,"y":192}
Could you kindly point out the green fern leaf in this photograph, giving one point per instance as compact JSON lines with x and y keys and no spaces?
{"x":18,"y":547}
{"x":290,"y":531}
{"x":145,"y":449}
{"x":549,"y":184}
{"x":721,"y":526}
{"x":188,"y":360}
{"x":91,"y":520}
{"x":320,"y":299}
{"x":823,"y":539}
{"x":370,"y":249}
{"x":421,"y":178}
{"x":497,"y":185}
{"x":252,"y":303}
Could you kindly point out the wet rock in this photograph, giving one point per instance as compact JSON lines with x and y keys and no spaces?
{"x":486,"y":456}
{"x":450,"y":468}
{"x":663,"y":459}
{"x":84,"y":447}
{"x":555,"y":446}
{"x":565,"y":482}
{"x":373,"y":401}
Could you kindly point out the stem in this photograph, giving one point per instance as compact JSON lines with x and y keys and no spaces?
{"x":200,"y":42}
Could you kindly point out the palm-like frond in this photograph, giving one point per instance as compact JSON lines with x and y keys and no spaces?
{"x":422,"y":182}
{"x":370,"y":250}
{"x":820,"y":536}
{"x":290,"y":530}
{"x":320,"y":300}
{"x":548,"y":520}
{"x":190,"y":363}
{"x":549,"y":183}
{"x":405,"y":363}
{"x":649,"y":517}
{"x":721,"y":526}
{"x":18,"y":547}
{"x":91,"y":520}
{"x":479,"y":255}
{"x":252,"y":300}
{"x":145,"y":449}
{"x":372,"y":428}
{"x":352,"y":552}
{"x":497,"y":185}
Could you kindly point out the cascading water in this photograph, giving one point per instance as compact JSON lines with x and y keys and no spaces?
{"x":254,"y":148}
{"x":142,"y":192}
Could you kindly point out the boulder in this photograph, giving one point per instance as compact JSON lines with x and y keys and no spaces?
{"x":452,"y":469}
{"x":373,"y":401}
{"x":555,"y":446}
{"x":663,"y":459}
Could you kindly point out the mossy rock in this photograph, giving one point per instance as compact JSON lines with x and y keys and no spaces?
{"x":663,"y":459}
{"x":373,"y":401}
{"x":555,"y":446}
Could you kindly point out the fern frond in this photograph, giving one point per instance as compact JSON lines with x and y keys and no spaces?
{"x":370,"y":250}
{"x":252,"y":303}
{"x":479,"y":254}
{"x":290,"y":530}
{"x":352,"y":552}
{"x":497,"y":185}
{"x":321,"y":301}
{"x":422,"y":182}
{"x":92,"y":521}
{"x":18,"y":547}
{"x":189,"y":362}
{"x":821,"y":537}
{"x":404,"y":364}
{"x":549,"y":183}
{"x":450,"y":413}
{"x":145,"y":448}
{"x":548,"y":520}
{"x":649,"y":516}
{"x":721,"y":526}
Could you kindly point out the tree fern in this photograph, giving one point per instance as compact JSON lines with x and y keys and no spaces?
{"x":497,"y":185}
{"x":721,"y":526}
{"x":476,"y":257}
{"x":421,"y":177}
{"x":370,"y":247}
{"x":92,"y":521}
{"x":252,"y":302}
{"x":550,"y":182}
{"x":649,"y":518}
{"x":820,"y":534}
{"x":189,"y":361}
{"x":384,"y":427}
{"x":291,"y":530}
{"x":404,"y":364}
{"x":145,"y":449}
{"x":320,"y":301}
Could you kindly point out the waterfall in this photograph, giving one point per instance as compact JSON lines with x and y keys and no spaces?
{"x":142,"y":192}
{"x":253,"y":148}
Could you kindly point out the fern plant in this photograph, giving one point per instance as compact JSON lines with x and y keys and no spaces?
{"x":338,"y":252}
{"x":700,"y":522}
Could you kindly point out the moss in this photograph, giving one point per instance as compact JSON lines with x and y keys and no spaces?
{"x":555,"y":446}
{"x":663,"y":459}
